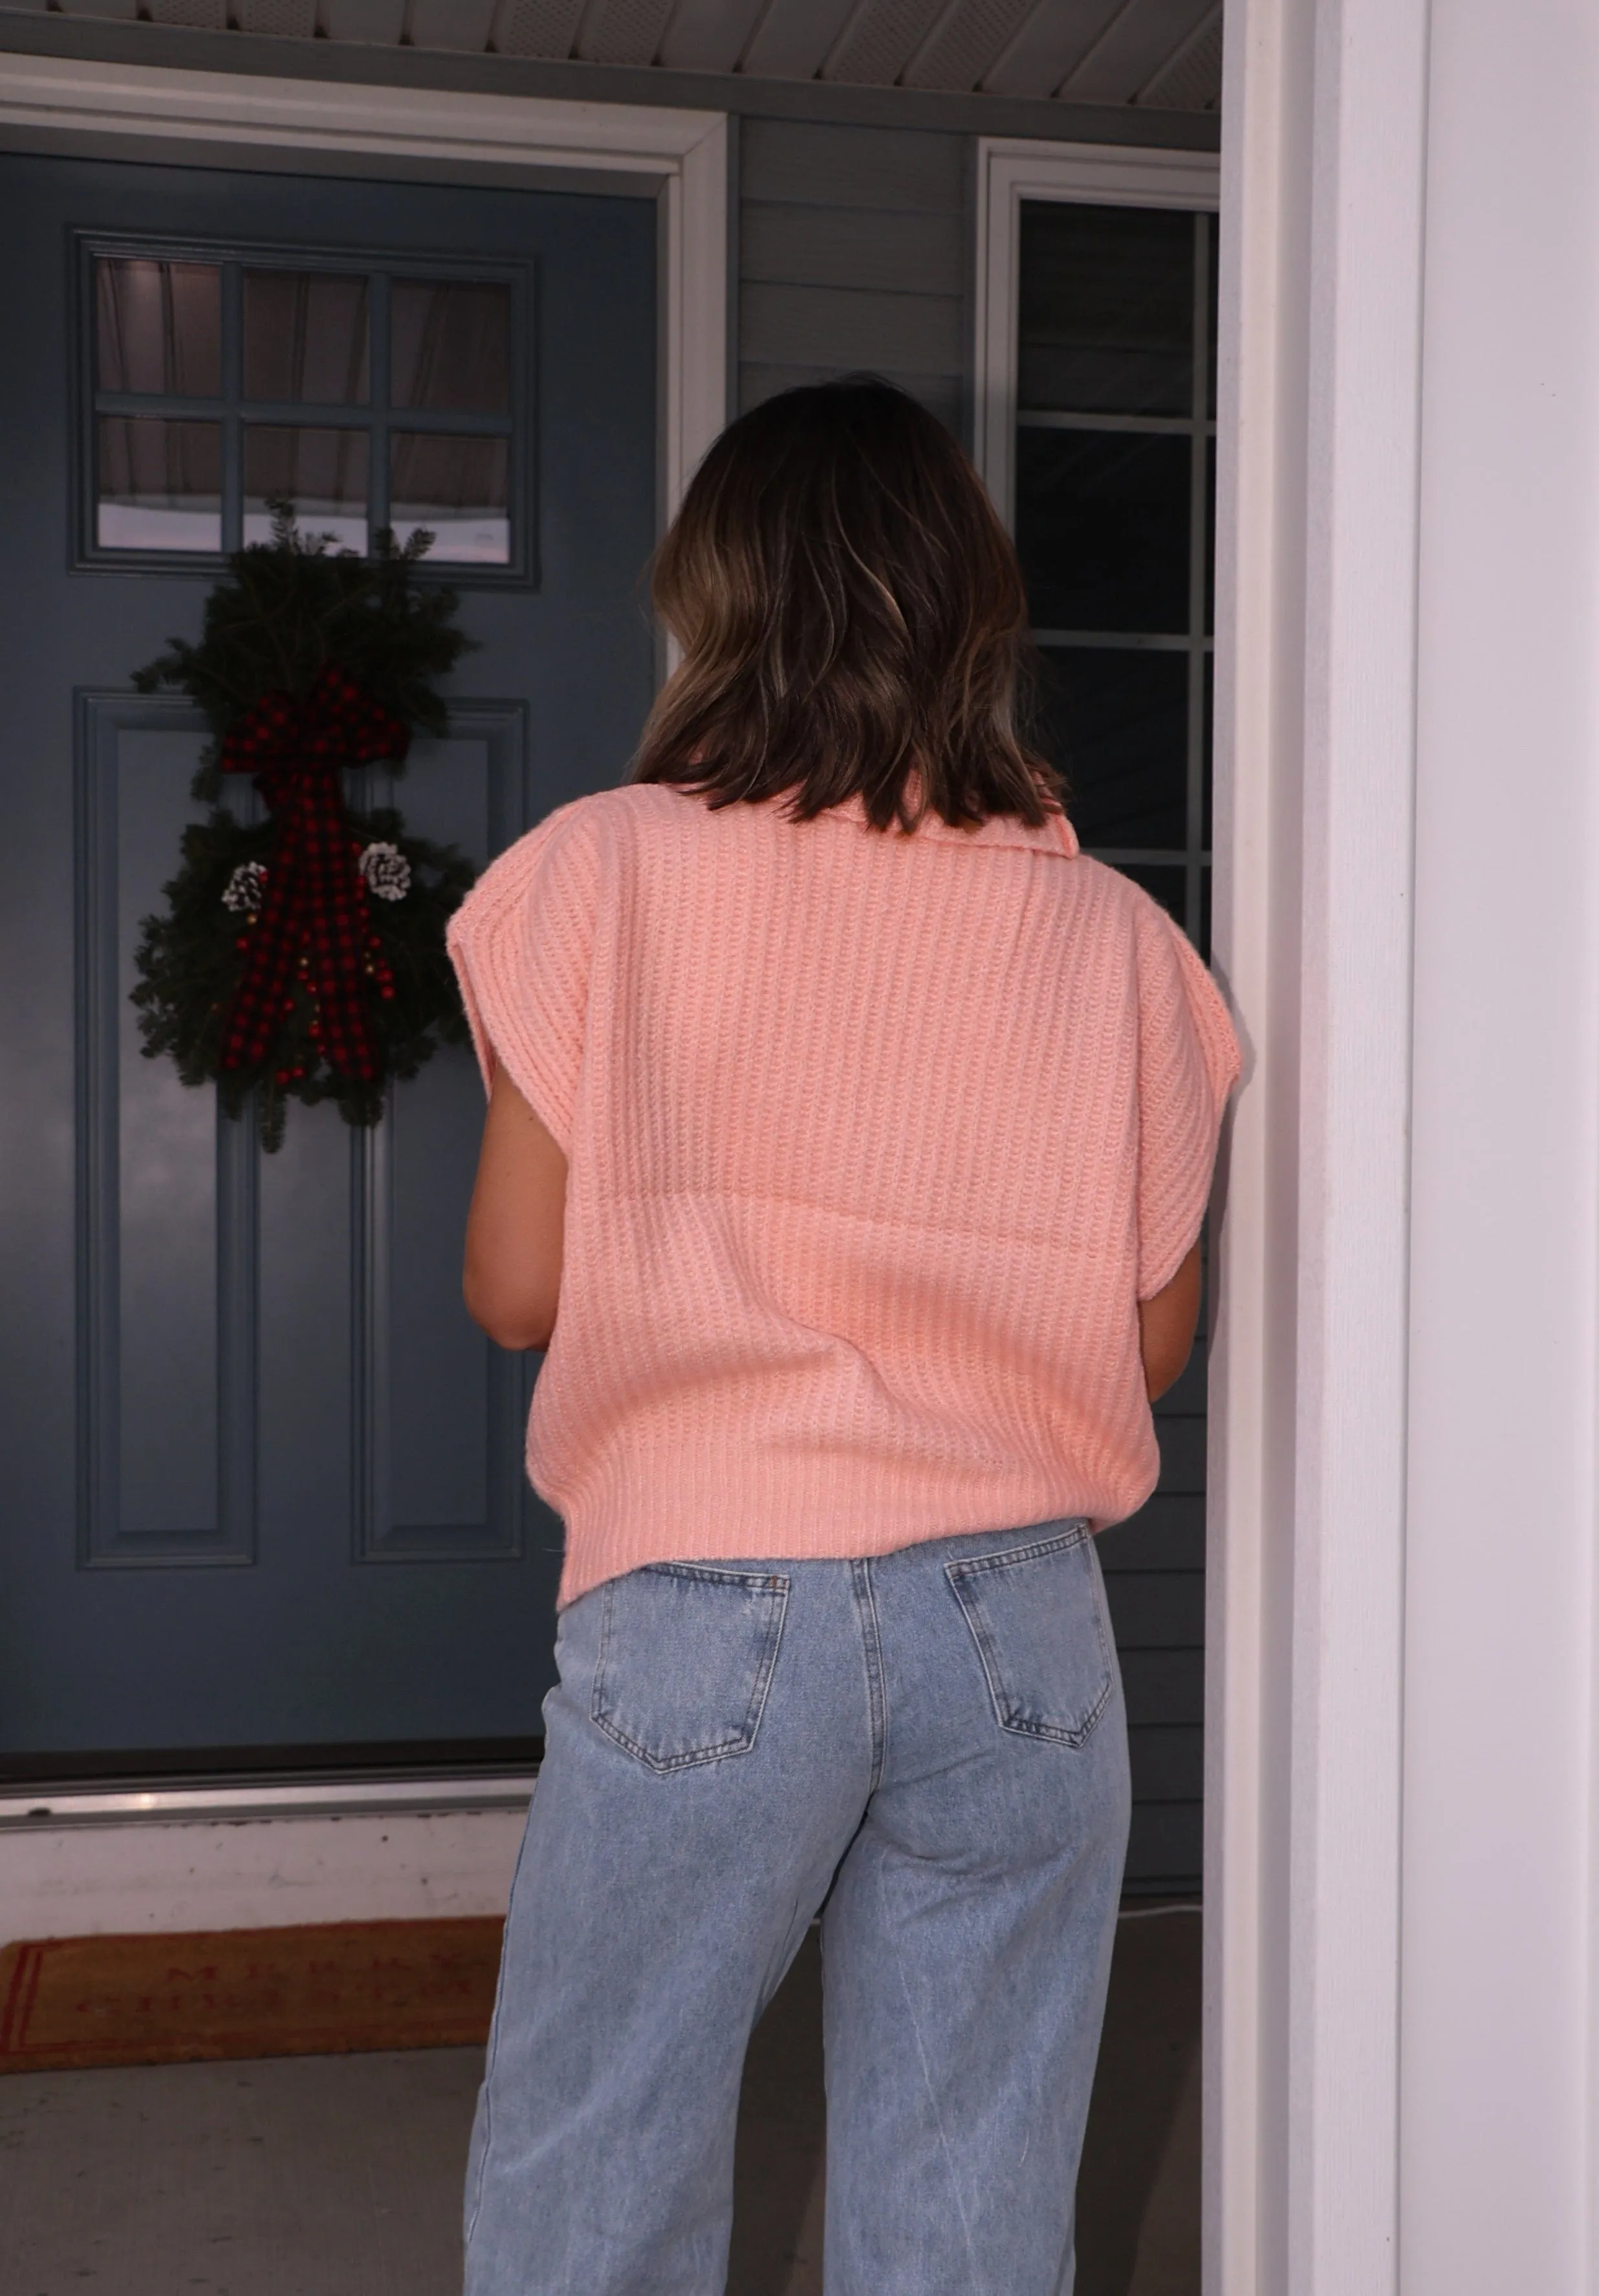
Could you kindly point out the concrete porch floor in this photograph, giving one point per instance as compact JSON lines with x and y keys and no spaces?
{"x":341,"y":2176}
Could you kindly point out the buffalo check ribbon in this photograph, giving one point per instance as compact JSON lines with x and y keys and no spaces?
{"x":312,"y":922}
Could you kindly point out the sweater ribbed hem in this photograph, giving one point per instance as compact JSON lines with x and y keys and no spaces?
{"x":709,"y":1508}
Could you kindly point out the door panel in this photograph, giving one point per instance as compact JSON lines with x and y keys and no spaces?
{"x":260,"y":1477}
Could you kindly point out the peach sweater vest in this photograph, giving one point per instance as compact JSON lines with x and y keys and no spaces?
{"x":875,"y":1141}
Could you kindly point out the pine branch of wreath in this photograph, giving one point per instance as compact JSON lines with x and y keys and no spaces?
{"x":310,"y":659}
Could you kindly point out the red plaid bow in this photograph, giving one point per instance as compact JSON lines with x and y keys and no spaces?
{"x":314,"y":902}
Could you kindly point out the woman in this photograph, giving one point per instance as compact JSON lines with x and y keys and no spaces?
{"x":848,"y":1143}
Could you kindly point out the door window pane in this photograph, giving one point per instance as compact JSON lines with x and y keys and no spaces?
{"x":459,"y":489}
{"x":158,"y":484}
{"x":1106,"y":312}
{"x":1101,"y":524}
{"x":306,"y":338}
{"x":1116,"y":724}
{"x":416,"y":426}
{"x":158,"y":327}
{"x":321,"y":472}
{"x":451,"y":346}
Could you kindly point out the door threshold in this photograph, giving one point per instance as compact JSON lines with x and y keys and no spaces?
{"x":237,"y":1800}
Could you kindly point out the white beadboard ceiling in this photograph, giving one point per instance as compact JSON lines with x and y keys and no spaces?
{"x":1162,"y":54}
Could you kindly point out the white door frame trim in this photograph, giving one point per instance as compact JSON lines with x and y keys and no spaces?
{"x":141,"y":111}
{"x":1008,"y":171}
{"x":1325,"y":139}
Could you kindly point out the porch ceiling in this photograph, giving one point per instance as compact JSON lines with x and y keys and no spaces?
{"x":1158,"y":54}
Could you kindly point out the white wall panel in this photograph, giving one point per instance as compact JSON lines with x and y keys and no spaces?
{"x":1498,"y":2058}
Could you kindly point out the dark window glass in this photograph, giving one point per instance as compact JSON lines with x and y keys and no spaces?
{"x":1207,"y":729}
{"x":1116,"y":723}
{"x":1201,"y":939}
{"x":451,"y":346}
{"x":1106,"y":314}
{"x":1212,"y":243}
{"x":321,"y":472}
{"x":1168,"y":885}
{"x":1101,"y":524}
{"x":1210,"y":535}
{"x":306,"y":338}
{"x":459,"y":489}
{"x":158,"y":327}
{"x":158,"y":484}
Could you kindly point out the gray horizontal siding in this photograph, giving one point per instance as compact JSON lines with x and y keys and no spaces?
{"x":1154,"y":1567}
{"x":799,"y":163}
{"x":844,"y":327}
{"x":1166,"y":1848}
{"x":1167,"y":1534}
{"x":1158,"y":1610}
{"x":852,"y":254}
{"x":878,"y":251}
{"x":1168,"y":1762}
{"x":1165,"y":1685}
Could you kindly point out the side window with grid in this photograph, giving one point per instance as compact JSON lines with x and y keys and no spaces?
{"x":369,"y":394}
{"x":1115,"y":458}
{"x":1114,"y":470}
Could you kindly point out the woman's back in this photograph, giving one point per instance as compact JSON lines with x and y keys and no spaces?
{"x":875,"y":1140}
{"x":849,"y":1139}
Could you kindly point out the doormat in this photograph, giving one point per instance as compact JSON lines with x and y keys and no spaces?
{"x":70,"y":2003}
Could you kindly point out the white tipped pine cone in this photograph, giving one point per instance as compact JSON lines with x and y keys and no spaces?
{"x":243,"y":890}
{"x":386,"y":870}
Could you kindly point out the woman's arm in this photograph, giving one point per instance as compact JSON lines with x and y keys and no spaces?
{"x":514,"y":1230}
{"x":1166,"y":1325}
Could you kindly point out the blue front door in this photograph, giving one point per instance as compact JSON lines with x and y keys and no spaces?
{"x":261,"y":1480}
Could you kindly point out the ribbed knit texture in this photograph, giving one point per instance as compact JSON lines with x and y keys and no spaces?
{"x":874,"y":1143}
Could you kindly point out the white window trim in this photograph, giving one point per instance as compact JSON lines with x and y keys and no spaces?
{"x":1008,"y":171}
{"x":135,"y":110}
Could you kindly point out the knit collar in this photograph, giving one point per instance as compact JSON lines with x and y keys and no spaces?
{"x":1056,"y":836}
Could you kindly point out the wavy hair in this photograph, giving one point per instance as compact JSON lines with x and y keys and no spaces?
{"x":852,"y":618}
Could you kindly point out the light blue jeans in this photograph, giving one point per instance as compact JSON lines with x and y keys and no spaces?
{"x":932,"y":1746}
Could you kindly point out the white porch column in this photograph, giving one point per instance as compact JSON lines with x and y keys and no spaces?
{"x":1402,"y":2041}
{"x":1497,"y":2039}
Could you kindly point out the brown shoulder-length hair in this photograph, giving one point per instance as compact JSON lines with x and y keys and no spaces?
{"x":852,"y":619}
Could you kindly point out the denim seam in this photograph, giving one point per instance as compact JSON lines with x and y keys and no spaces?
{"x":775,"y":1588}
{"x":767,"y":1582}
{"x":1018,"y":1725}
{"x":1064,"y":1541}
{"x":866,"y":1605}
{"x":891,"y":1935}
{"x":493,"y":2053}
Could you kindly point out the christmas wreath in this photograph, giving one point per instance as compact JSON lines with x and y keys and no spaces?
{"x":301,"y":957}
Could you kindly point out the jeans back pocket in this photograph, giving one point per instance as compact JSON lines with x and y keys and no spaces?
{"x":686,"y":1658}
{"x":1037,"y":1615}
